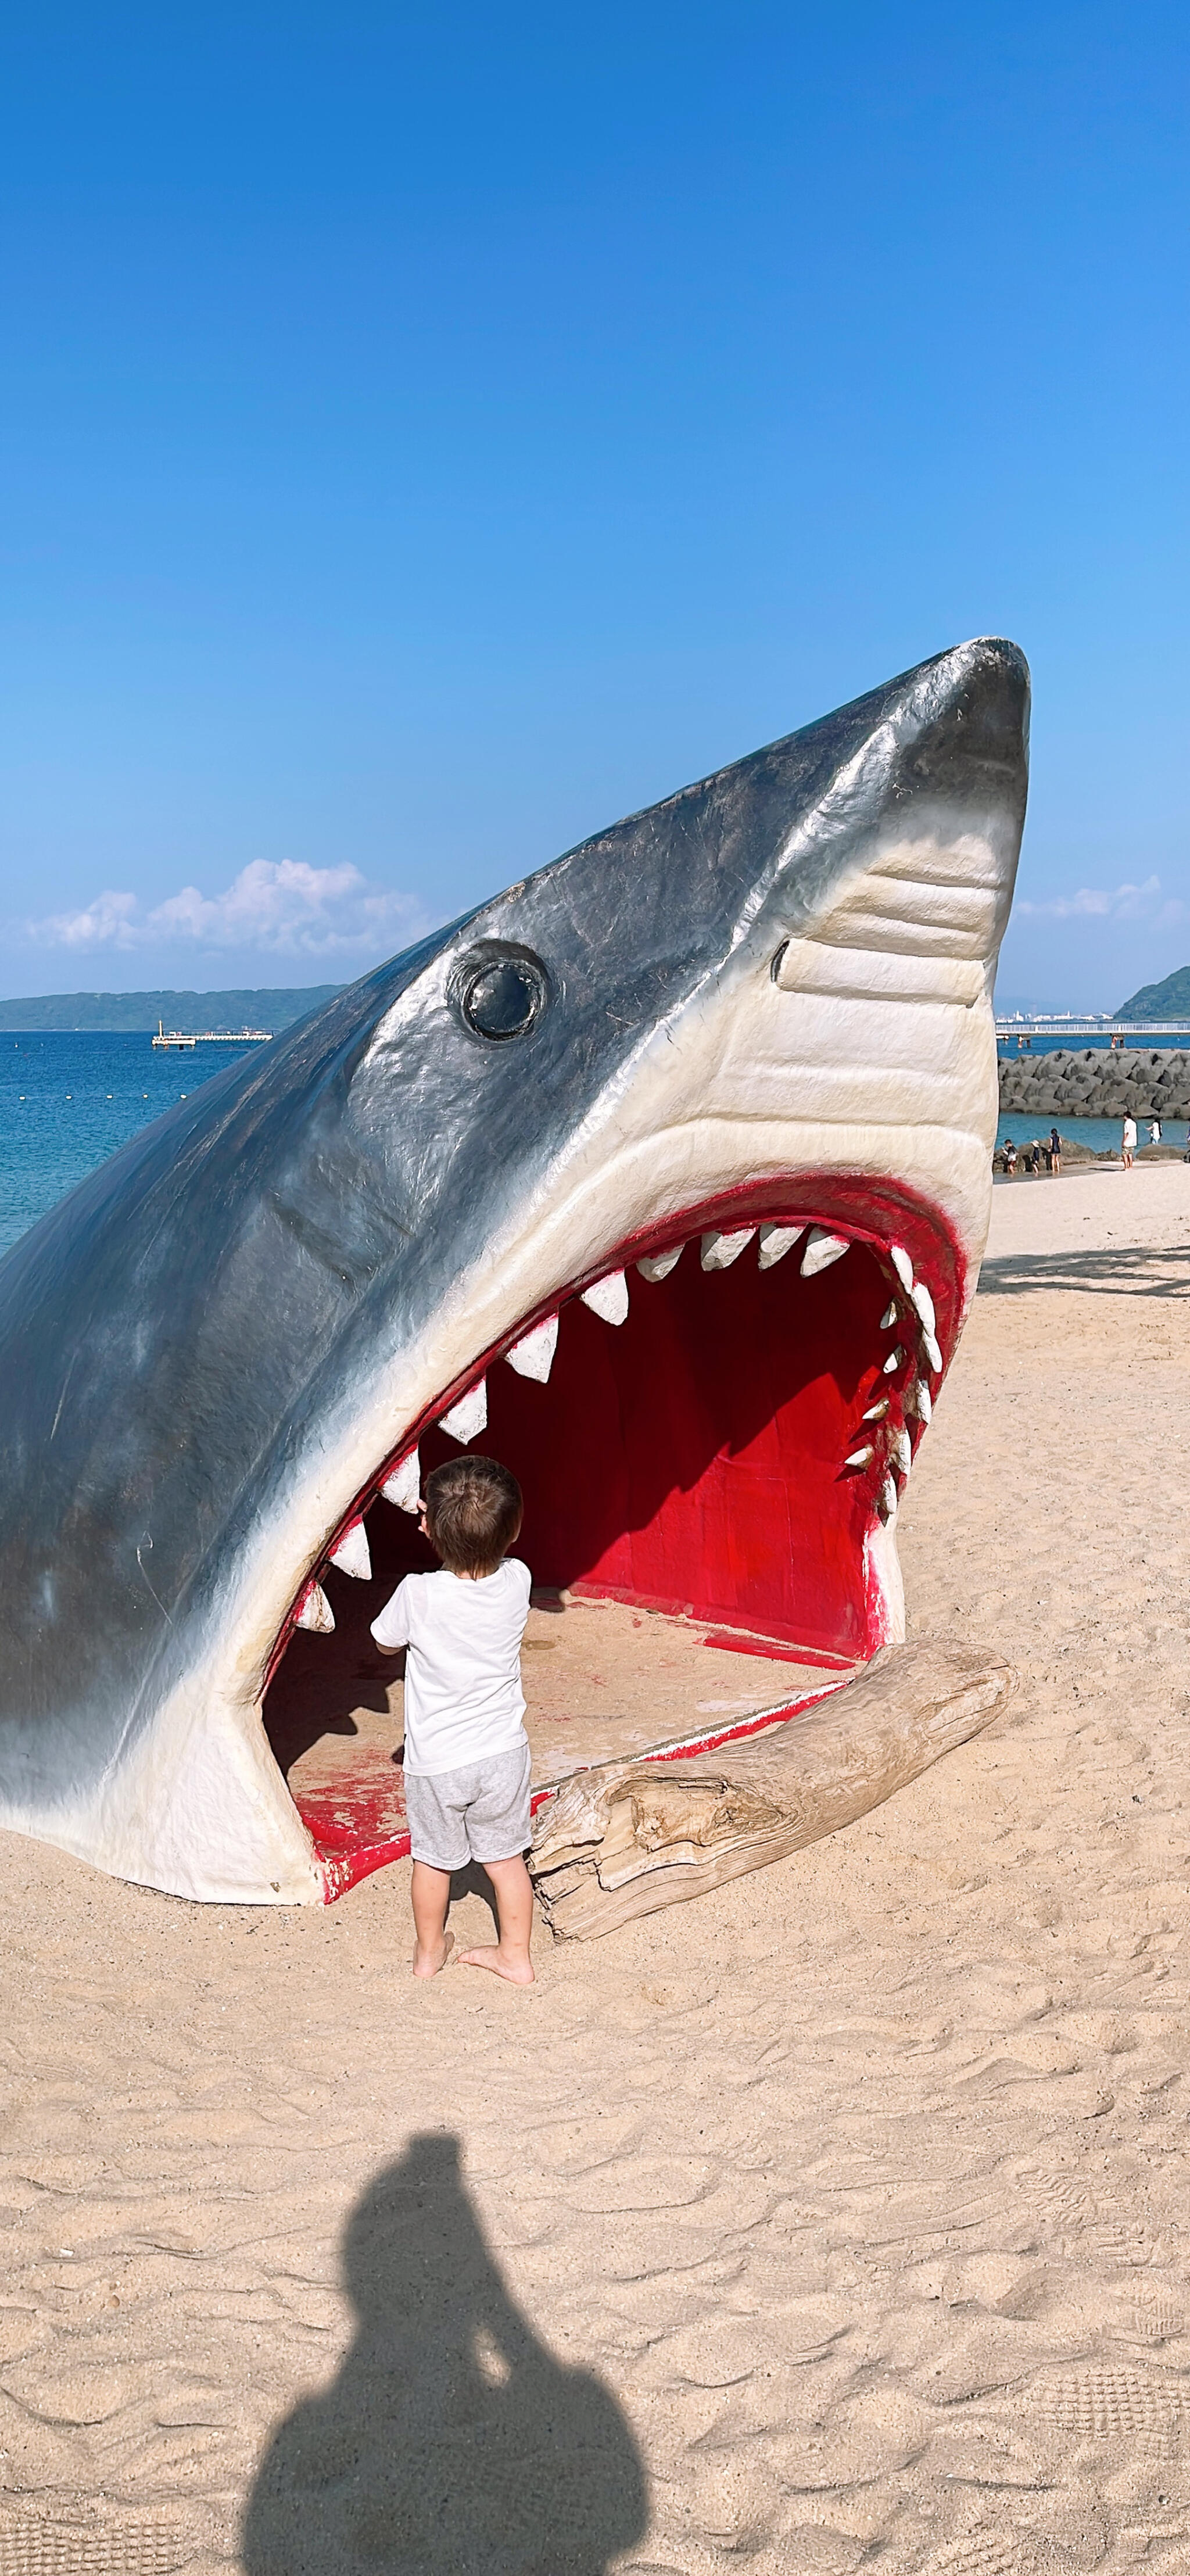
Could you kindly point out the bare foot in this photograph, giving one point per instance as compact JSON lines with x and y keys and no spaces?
{"x":429,"y":1963}
{"x":519,"y":1971}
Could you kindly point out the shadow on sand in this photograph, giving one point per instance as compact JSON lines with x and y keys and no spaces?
{"x":452,"y":2443}
{"x":1126,"y":1271}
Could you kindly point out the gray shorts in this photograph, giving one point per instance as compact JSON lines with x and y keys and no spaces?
{"x":480,"y":1813}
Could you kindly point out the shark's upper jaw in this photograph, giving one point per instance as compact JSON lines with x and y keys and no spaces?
{"x":720,"y":1420}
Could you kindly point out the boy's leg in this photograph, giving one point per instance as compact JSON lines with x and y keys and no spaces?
{"x":509,"y":1956}
{"x":430,"y":1893}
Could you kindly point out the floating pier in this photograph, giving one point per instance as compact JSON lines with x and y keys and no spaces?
{"x":1068,"y":1024}
{"x":183,"y":1038}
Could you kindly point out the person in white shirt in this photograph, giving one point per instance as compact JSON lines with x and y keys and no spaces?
{"x":467,"y":1761}
{"x":1129,"y":1144}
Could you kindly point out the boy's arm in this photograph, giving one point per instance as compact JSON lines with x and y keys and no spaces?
{"x":391,"y":1630}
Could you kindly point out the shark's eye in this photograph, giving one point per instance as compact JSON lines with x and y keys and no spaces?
{"x":501,"y":992}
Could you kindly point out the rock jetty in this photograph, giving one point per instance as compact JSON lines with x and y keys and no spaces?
{"x":1092,"y":1082}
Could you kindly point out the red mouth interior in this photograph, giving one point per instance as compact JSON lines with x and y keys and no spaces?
{"x":691,"y":1459}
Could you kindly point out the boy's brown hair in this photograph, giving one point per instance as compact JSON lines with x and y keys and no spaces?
{"x":473,"y":1514}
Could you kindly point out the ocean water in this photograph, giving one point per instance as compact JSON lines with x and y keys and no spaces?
{"x":67,"y":1101}
{"x":1103,"y":1135}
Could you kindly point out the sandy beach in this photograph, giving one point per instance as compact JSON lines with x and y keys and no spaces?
{"x":836,"y":2222}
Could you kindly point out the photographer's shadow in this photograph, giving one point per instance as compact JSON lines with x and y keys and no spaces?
{"x":452,"y":2443}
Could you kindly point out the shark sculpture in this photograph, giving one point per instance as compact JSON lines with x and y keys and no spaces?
{"x":666,"y":1175}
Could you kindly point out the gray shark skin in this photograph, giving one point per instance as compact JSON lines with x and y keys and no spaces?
{"x":212,"y":1345}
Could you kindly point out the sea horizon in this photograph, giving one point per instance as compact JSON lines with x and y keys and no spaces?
{"x":71,"y":1098}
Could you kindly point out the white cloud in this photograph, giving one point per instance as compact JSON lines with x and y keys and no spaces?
{"x":283,"y":907}
{"x":1109,"y":903}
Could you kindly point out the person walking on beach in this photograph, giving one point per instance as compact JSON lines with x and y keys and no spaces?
{"x":1154,"y":1131}
{"x":1055,"y":1151}
{"x":1129,"y":1145}
{"x":467,"y":1761}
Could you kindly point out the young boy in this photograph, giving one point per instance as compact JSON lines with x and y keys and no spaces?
{"x":466,"y":1751}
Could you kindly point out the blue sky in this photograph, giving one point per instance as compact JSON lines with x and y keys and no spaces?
{"x":427,"y":435}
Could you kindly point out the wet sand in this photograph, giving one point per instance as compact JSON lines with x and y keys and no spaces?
{"x":837,"y":2221}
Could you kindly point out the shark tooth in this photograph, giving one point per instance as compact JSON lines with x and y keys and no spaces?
{"x":895,"y":1357}
{"x":608,"y":1297}
{"x":776,"y":1241}
{"x":932,"y":1352}
{"x":918,"y":1400}
{"x":876,"y":1412}
{"x":403,"y":1487}
{"x":889,"y":1316}
{"x":720,"y":1250}
{"x":352,"y":1555}
{"x":925,"y":1305}
{"x":902,"y":1265}
{"x":887,"y":1506}
{"x":860,"y":1458}
{"x":657,"y":1265}
{"x":901,"y":1452}
{"x":314,"y":1611}
{"x":469,"y":1416}
{"x":821,"y":1249}
{"x":533,"y":1355}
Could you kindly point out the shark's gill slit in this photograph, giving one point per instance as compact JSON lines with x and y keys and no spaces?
{"x":723,"y":1441}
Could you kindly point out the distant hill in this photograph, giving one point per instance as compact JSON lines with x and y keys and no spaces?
{"x":1167,"y":1001}
{"x":264,"y":1008}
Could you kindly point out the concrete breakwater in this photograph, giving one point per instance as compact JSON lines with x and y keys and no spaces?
{"x":1092,"y":1082}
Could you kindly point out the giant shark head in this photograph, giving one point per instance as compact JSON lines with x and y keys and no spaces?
{"x":665,"y":1176}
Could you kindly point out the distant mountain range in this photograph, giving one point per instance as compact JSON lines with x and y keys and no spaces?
{"x":1167,"y":1001}
{"x":275,"y":1006}
{"x":265,"y":1007}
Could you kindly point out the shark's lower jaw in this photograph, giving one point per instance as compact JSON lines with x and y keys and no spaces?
{"x":720,"y":1422}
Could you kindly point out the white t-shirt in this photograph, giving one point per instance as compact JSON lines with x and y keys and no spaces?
{"x":1130,"y":1135}
{"x":463,"y":1696}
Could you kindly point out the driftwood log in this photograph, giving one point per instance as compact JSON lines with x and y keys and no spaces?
{"x":625,"y":1838}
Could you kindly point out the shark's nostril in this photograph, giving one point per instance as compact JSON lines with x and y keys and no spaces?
{"x":775,"y":966}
